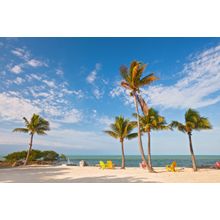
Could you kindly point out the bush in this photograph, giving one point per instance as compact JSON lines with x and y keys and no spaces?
{"x":16,"y":156}
{"x":35,"y":155}
{"x":50,"y":155}
{"x":63,"y":157}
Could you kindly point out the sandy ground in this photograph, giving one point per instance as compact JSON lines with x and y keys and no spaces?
{"x":66,"y":174}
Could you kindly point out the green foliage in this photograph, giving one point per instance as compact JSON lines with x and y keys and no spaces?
{"x":50,"y":155}
{"x":62,"y":157}
{"x":132,"y":77}
{"x":193,"y":121}
{"x":153,"y":121}
{"x":122,"y":129}
{"x":35,"y":155}
{"x":37,"y":125}
{"x":16,"y":156}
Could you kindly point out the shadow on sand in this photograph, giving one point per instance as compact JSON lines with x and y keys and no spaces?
{"x":48,"y":175}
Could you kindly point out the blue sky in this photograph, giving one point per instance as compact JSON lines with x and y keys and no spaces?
{"x":74,"y":83}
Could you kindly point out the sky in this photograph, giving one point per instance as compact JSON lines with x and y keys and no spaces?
{"x":75,"y":84}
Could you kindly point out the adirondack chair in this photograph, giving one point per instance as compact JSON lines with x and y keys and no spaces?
{"x":171,"y":167}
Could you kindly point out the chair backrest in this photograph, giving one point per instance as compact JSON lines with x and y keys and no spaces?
{"x":102,"y":164}
{"x":173,"y":164}
{"x":109,"y":162}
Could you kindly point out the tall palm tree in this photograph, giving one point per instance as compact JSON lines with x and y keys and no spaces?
{"x":153,"y":121}
{"x":193,"y":121}
{"x":122,"y":129}
{"x":36,"y":125}
{"x":133,"y":81}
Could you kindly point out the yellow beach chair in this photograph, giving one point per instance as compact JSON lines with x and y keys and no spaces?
{"x":171,"y":167}
{"x":102,"y":165}
{"x":110,"y":165}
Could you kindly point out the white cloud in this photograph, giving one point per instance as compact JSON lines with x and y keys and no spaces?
{"x":15,"y":108}
{"x":19,"y":80}
{"x":92,"y":76}
{"x":79,"y":93}
{"x":199,"y":87}
{"x":59,"y":72}
{"x":97,"y":93}
{"x":16,"y":69}
{"x":21,"y":53}
{"x":69,"y":138}
{"x":35,"y":63}
{"x":34,"y":76}
{"x":105,"y":120}
{"x":72,"y":116}
{"x":49,"y":83}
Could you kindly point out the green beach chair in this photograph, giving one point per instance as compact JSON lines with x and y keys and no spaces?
{"x":102,"y":165}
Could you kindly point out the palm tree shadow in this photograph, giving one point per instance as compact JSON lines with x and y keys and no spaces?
{"x":48,"y":175}
{"x":102,"y":179}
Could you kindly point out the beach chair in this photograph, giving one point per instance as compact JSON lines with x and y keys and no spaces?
{"x":217,"y":165}
{"x":143,"y":165}
{"x":102,"y":165}
{"x":109,"y":165}
{"x":171,"y":167}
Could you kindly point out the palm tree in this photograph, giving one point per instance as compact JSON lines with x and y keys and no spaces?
{"x":193,"y":121}
{"x":153,"y":121}
{"x":36,"y":125}
{"x":132,"y":81}
{"x":122,"y":129}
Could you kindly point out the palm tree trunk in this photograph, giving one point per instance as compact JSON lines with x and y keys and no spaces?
{"x":139,"y":134}
{"x":192,"y":153}
{"x":123,"y":155}
{"x":29,"y":150}
{"x":149,"y":150}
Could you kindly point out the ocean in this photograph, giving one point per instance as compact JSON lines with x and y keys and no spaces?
{"x":157,"y":160}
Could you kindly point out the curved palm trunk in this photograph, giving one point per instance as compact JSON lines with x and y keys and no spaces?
{"x":192,"y":153}
{"x":139,"y":135}
{"x":29,"y":150}
{"x":149,"y":150}
{"x":122,"y":155}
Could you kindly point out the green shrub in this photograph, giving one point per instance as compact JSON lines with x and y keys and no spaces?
{"x":16,"y":156}
{"x":50,"y":155}
{"x":62,"y":157}
{"x":35,"y":155}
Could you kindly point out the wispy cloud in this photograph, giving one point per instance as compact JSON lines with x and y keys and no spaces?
{"x":97,"y":93}
{"x":35,"y":63}
{"x":59,"y":72}
{"x":93,"y":75}
{"x":49,"y":83}
{"x":199,"y":87}
{"x":16,"y":69}
{"x":21,"y":53}
{"x":15,"y":108}
{"x":19,"y":80}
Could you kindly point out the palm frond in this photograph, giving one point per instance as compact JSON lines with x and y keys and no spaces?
{"x":147,"y":80}
{"x":181,"y":127}
{"x":126,"y":85}
{"x":131,"y":136}
{"x":22,"y":130}
{"x":112,"y":134}
{"x":26,"y":122}
{"x":124,"y":72}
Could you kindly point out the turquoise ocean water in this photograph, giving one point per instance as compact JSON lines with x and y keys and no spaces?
{"x":157,"y":160}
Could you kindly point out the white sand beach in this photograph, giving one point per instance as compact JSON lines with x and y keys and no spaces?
{"x":68,"y":174}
